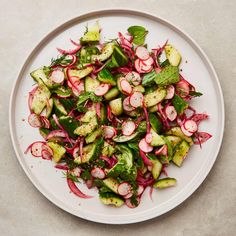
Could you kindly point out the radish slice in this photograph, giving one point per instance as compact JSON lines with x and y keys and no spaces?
{"x":129,"y":195}
{"x":76,"y":171}
{"x":171,"y":113}
{"x":78,"y":88}
{"x":46,"y":122}
{"x":148,"y":62}
{"x":36,"y":148}
{"x":124,"y":188}
{"x":144,"y":146}
{"x":126,"y":104}
{"x":190,"y":126}
{"x":109,"y":132}
{"x":125,"y":86}
{"x":136,"y":99}
{"x":56,"y":134}
{"x":140,"y":190}
{"x":186,"y":132}
{"x":182,"y":88}
{"x":76,"y":154}
{"x":47,"y":152}
{"x":134,"y":78}
{"x":145,"y":66}
{"x":35,"y":120}
{"x":74,"y":189}
{"x":130,"y":204}
{"x":201,"y":137}
{"x":170,"y":92}
{"x":57,"y":76}
{"x":72,"y":80}
{"x":98,"y":172}
{"x":101,"y":90}
{"x":128,"y":127}
{"x":162,"y":151}
{"x":148,"y":138}
{"x":142,"y":53}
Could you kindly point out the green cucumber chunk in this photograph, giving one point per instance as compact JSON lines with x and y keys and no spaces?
{"x":165,"y":183}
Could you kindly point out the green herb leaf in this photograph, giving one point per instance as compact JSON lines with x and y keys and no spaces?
{"x":195,"y":94}
{"x":57,"y":61}
{"x":85,"y":175}
{"x":139,"y":33}
{"x":169,"y":75}
{"x":179,"y":104}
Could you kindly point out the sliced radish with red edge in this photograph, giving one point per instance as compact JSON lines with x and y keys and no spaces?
{"x":140,"y":190}
{"x":130,"y":204}
{"x":142,"y":53}
{"x":136,"y":99}
{"x":190,"y":126}
{"x":134,"y":78}
{"x":162,"y":151}
{"x":124,"y":188}
{"x":186,"y":132}
{"x":35,"y":120}
{"x":148,"y":138}
{"x":128,"y":127}
{"x":144,"y":146}
{"x":101,"y":90}
{"x":125,"y":86}
{"x":109,"y":132}
{"x":170,"y":92}
{"x":170,"y":112}
{"x":57,"y":76}
{"x":98,"y":173}
{"x":126,"y":104}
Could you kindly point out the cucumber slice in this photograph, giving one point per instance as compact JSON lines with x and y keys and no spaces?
{"x":174,"y":140}
{"x":180,"y":153}
{"x":112,"y":184}
{"x":86,"y":128}
{"x":155,"y":123}
{"x":39,"y":75}
{"x":90,"y":84}
{"x":155,"y":97}
{"x":106,"y":53}
{"x":81,"y":73}
{"x":92,"y":35}
{"x":156,"y":169}
{"x":123,"y":138}
{"x":63,"y":92}
{"x":176,"y":131}
{"x":107,"y":149}
{"x":49,"y":107}
{"x":103,"y":114}
{"x":40,"y":98}
{"x":139,"y":88}
{"x":93,"y":136}
{"x":88,"y":116}
{"x":106,"y":77}
{"x":44,"y":132}
{"x":111,"y":199}
{"x":58,"y":151}
{"x":90,"y":152}
{"x":119,"y":56}
{"x":173,"y":55}
{"x":59,"y":108}
{"x":69,"y":124}
{"x":112,"y":93}
{"x":157,"y":140}
{"x":165,"y":183}
{"x":116,"y":106}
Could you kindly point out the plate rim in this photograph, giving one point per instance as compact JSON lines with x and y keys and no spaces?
{"x":102,"y":12}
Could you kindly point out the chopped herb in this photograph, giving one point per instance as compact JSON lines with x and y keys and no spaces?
{"x":195,"y":94}
{"x":139,"y":33}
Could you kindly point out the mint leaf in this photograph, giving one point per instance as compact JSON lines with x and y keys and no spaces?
{"x":139,"y":33}
{"x":195,"y":94}
{"x":169,"y":75}
{"x":179,"y":104}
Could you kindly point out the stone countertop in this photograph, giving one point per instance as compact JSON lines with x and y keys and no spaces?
{"x":211,"y":210}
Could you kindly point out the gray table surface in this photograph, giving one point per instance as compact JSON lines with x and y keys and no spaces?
{"x":211,"y":210}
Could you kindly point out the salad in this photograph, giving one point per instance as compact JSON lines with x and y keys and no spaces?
{"x":115,"y":115}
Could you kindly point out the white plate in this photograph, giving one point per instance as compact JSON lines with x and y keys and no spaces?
{"x":198,"y":70}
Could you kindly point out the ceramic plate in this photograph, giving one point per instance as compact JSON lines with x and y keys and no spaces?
{"x":196,"y":68}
